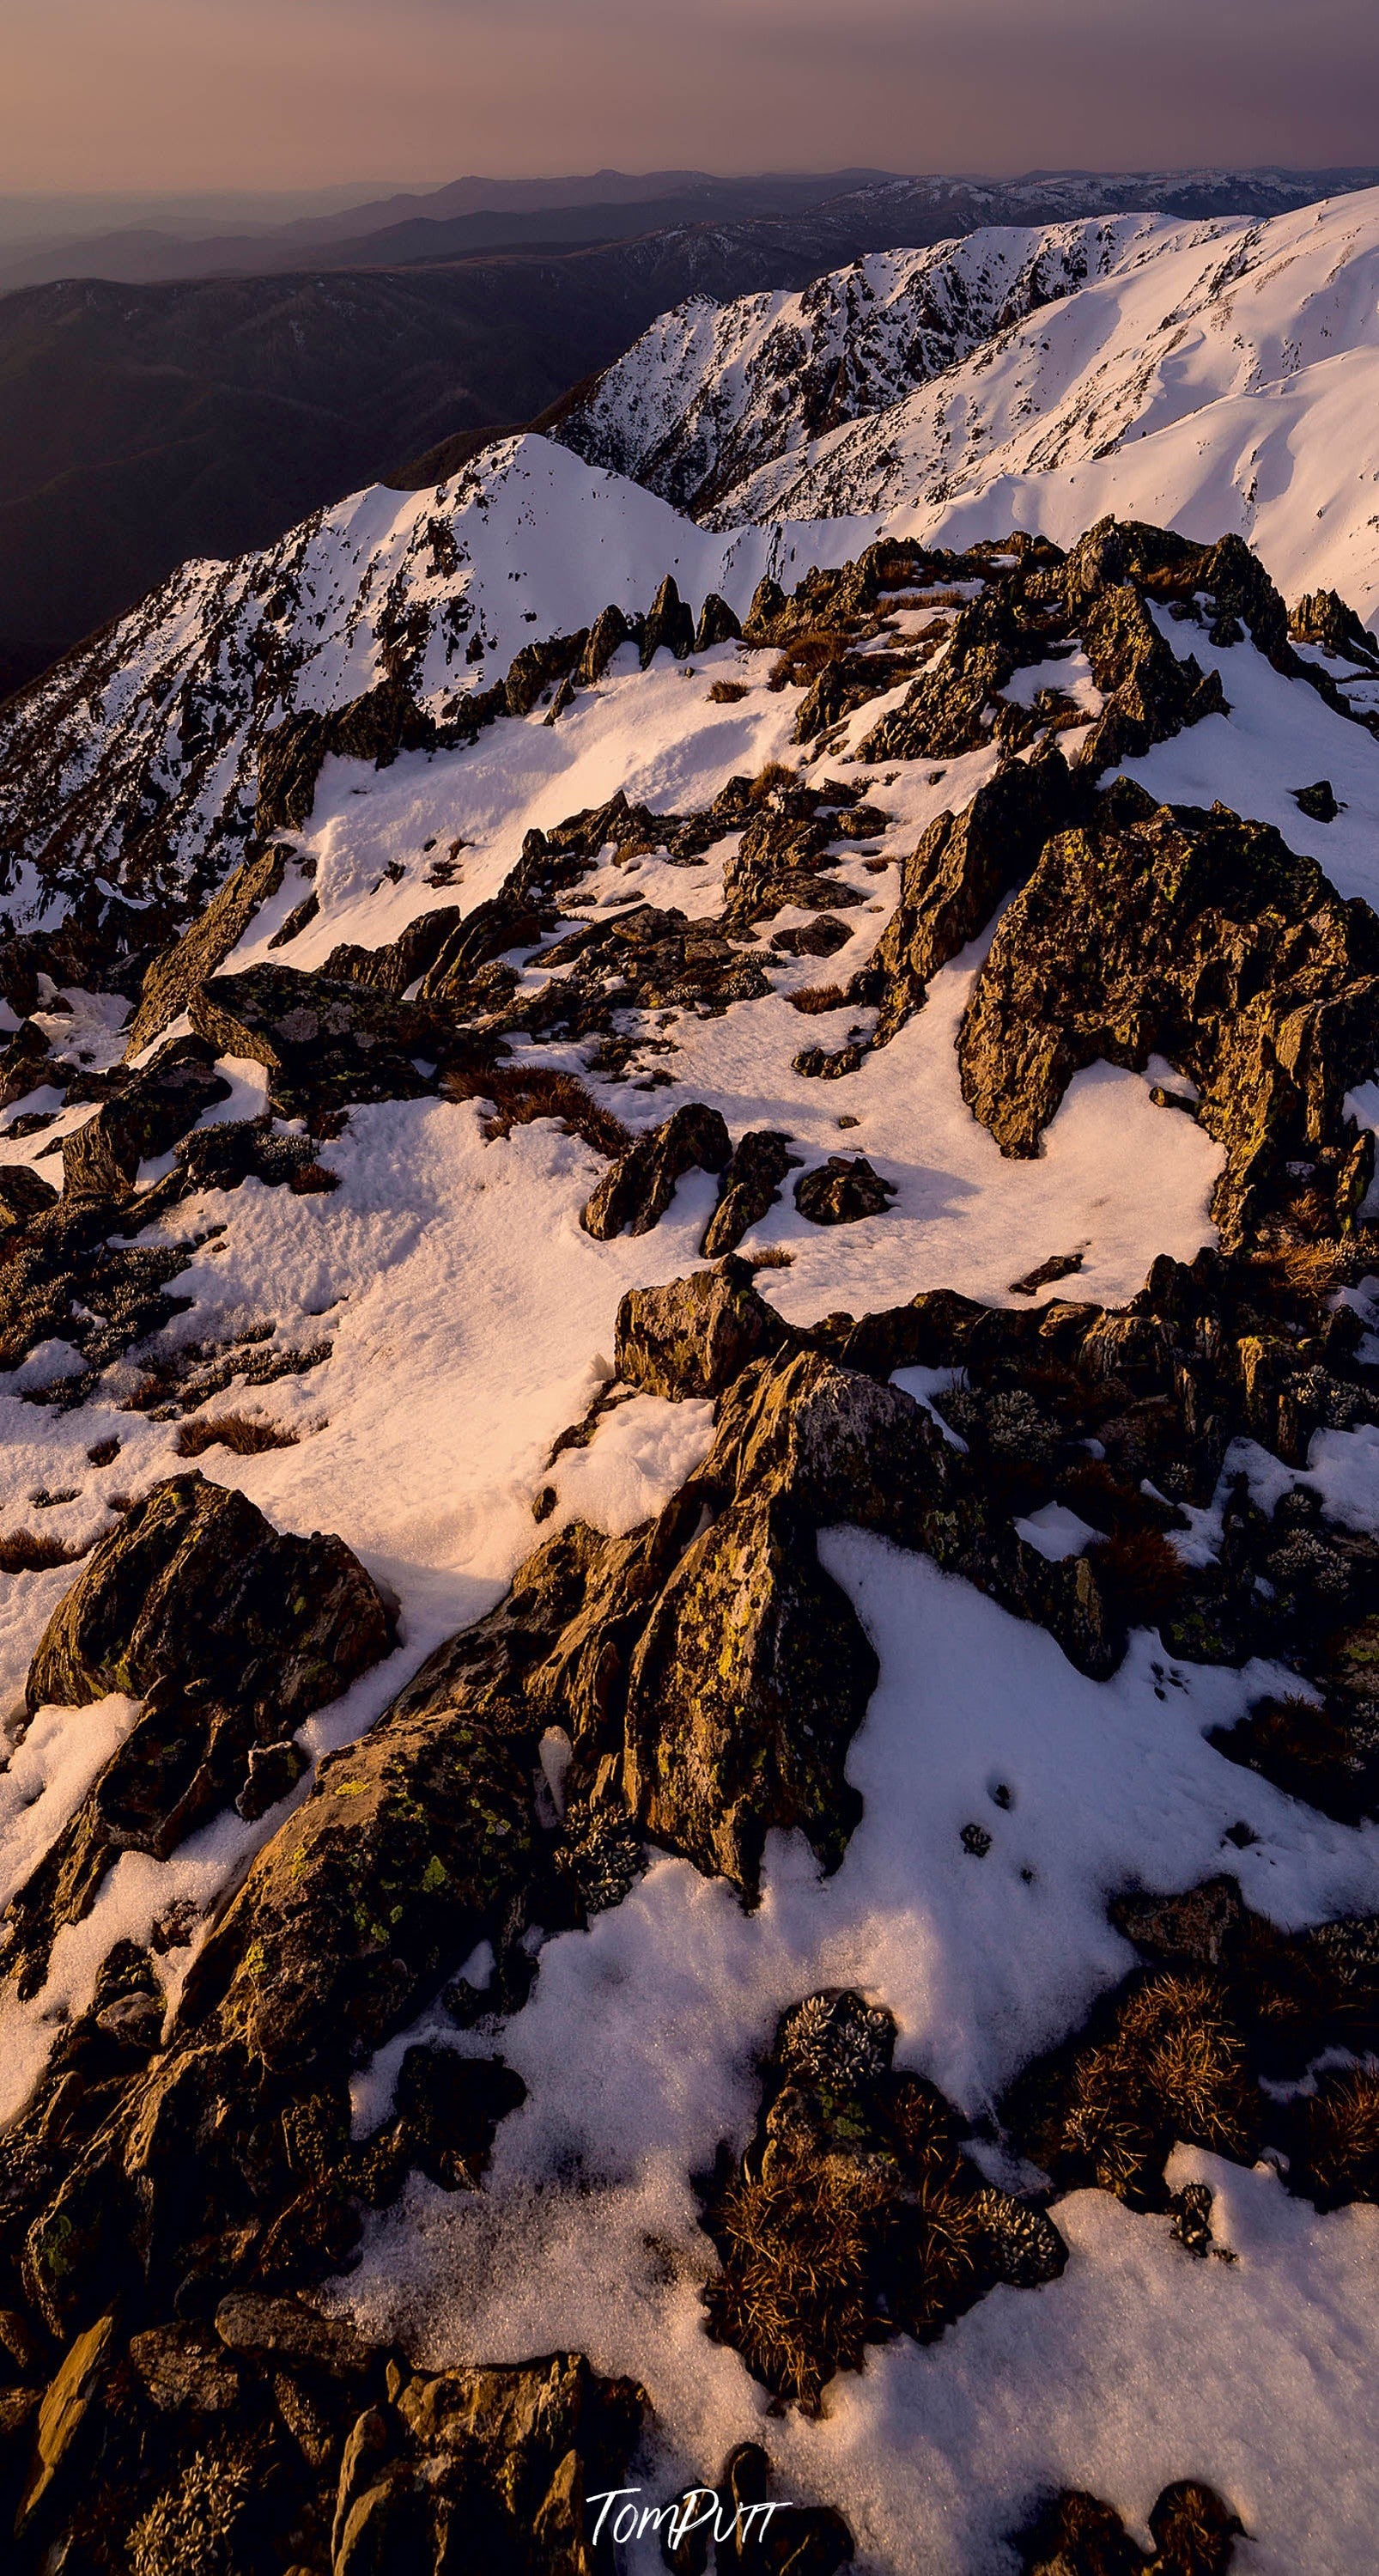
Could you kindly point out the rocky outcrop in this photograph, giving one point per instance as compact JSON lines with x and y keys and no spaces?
{"x":842,"y":1190}
{"x":962,"y":869}
{"x":669,"y":626}
{"x":748,"y":1187}
{"x":231,"y":1635}
{"x":151,"y":1113}
{"x":695,"y":1335}
{"x":324,"y":1041}
{"x":1215,"y":946}
{"x":633,"y":1196}
{"x":181,"y":969}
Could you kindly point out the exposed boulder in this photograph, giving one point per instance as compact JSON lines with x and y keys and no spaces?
{"x":539,"y":667}
{"x":1322,"y":617}
{"x":24,"y":1194}
{"x":634,"y":1195}
{"x":1215,"y":946}
{"x":748,"y":1685}
{"x":1148,"y":694}
{"x":609,"y":630}
{"x":748,"y":1188}
{"x":842,"y":1190}
{"x":195,"y":1584}
{"x":322,"y":1040}
{"x":695,"y":1335}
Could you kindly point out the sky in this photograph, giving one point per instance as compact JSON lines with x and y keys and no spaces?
{"x":184,"y":94}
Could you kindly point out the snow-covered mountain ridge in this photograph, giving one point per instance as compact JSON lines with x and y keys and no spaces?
{"x":713,"y":391}
{"x":1216,"y":376}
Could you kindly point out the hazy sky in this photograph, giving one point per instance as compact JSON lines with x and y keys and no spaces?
{"x":186,"y":93}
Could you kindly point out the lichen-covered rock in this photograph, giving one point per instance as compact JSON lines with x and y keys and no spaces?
{"x":634,"y":1195}
{"x":1148,"y":693}
{"x":195,"y":1585}
{"x":232,"y":1635}
{"x":842,"y":1191}
{"x":747,"y":1688}
{"x":748,"y":1187}
{"x":953,"y":882}
{"x":404,"y":1856}
{"x":695,"y":1335}
{"x":320,"y":1039}
{"x":180,"y":970}
{"x":1215,"y":946}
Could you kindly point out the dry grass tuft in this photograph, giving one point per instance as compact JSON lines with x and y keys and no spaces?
{"x":774,"y":775}
{"x":1173,"y":2066}
{"x":312,"y":1180}
{"x":1338,"y":2136}
{"x":792,"y":2296}
{"x":521,"y":1093}
{"x":33,"y":1552}
{"x":241,"y":1432}
{"x":726,"y":693}
{"x":1143,"y":1573}
{"x":813,"y":999}
{"x":804,"y":658}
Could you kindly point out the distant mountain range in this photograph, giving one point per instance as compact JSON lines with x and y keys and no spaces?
{"x":144,"y":424}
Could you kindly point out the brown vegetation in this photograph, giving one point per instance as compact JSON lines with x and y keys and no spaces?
{"x":726,"y":693}
{"x":813,"y":999}
{"x":522,"y":1093}
{"x":33,"y":1552}
{"x":242,"y":1432}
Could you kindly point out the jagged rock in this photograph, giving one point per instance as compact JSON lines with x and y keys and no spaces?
{"x":145,"y":1118}
{"x":1323,"y":617}
{"x":748,"y":1188}
{"x":392,"y":968}
{"x":634,"y":1195}
{"x":185,"y":2368}
{"x":1216,"y":946}
{"x":386,"y":720}
{"x":670,"y":623}
{"x":717,"y":625}
{"x":745,"y":1692}
{"x":178,"y":972}
{"x":842,"y":1190}
{"x":541,"y":666}
{"x":65,"y":2409}
{"x":963,"y":867}
{"x":1148,"y":694}
{"x":695,"y":1335}
{"x":235,"y":1635}
{"x":195,"y":1582}
{"x":609,"y":630}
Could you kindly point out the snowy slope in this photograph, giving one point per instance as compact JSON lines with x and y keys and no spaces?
{"x":711,"y":392}
{"x":1221,"y":377}
{"x":138,"y":756}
